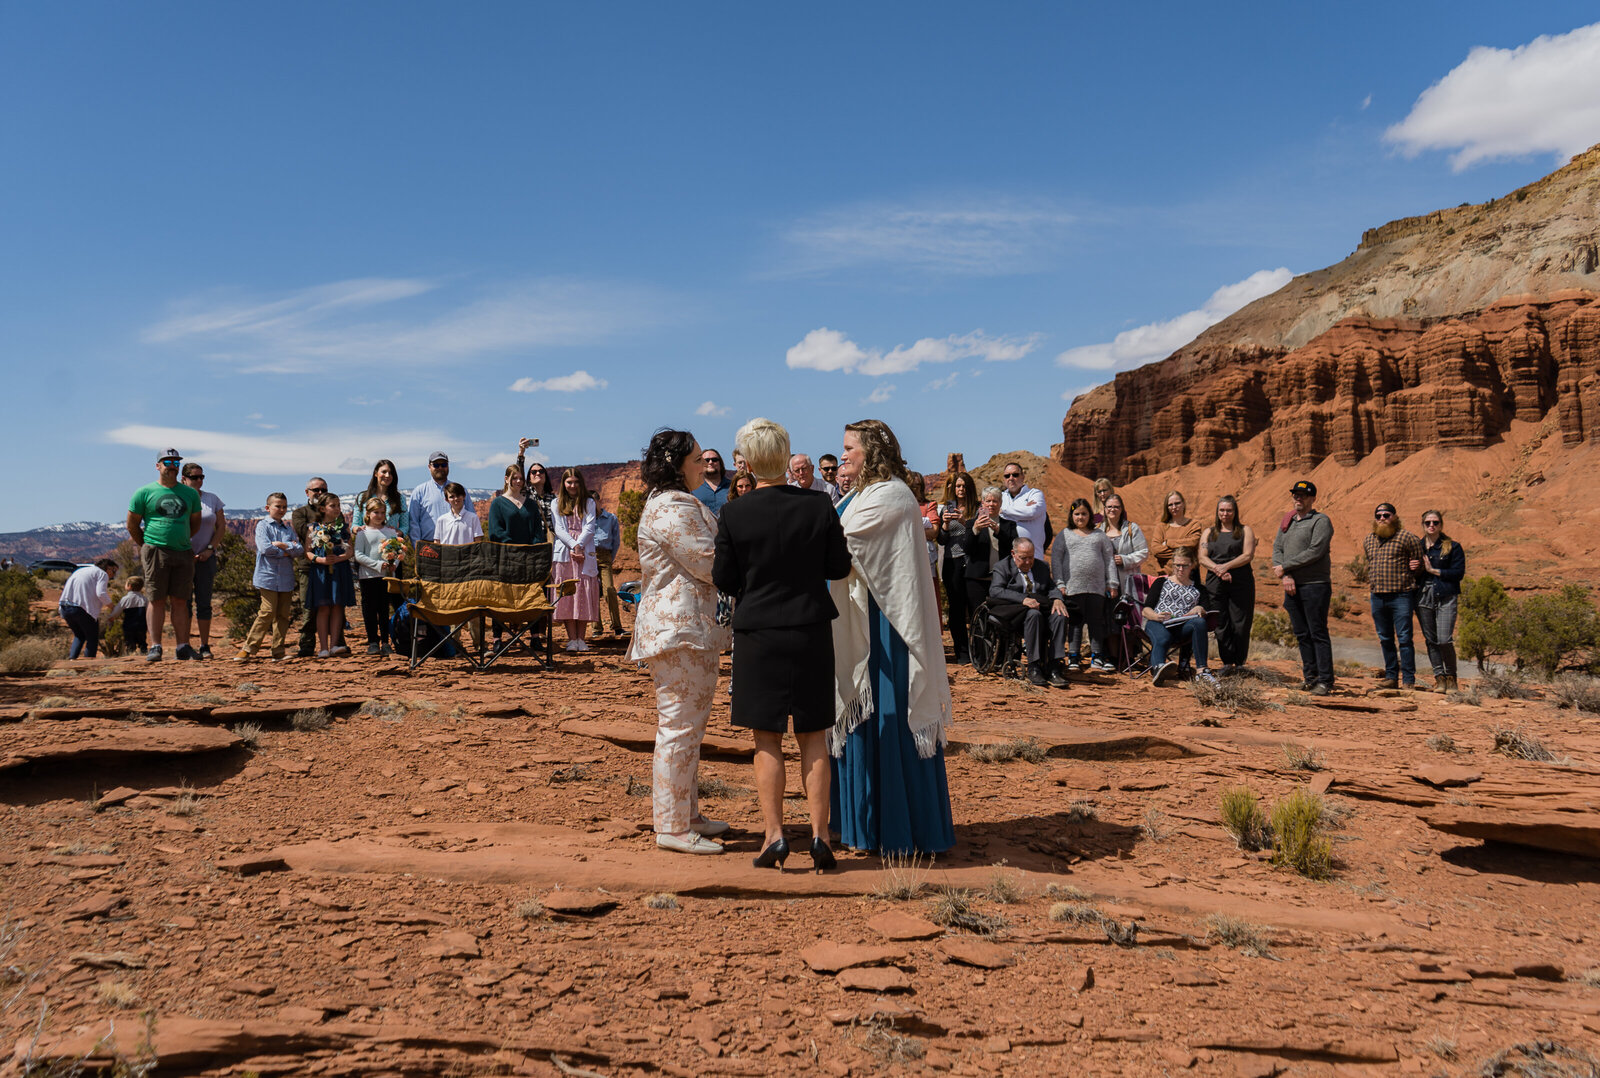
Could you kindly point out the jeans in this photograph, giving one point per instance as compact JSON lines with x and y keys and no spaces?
{"x":1162,"y":638}
{"x":1391,"y":616}
{"x":1308,"y":617}
{"x":85,"y":631}
{"x":1439,"y":630}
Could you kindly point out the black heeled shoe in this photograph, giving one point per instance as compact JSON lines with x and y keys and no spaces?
{"x":822,"y":858}
{"x":773,"y":856}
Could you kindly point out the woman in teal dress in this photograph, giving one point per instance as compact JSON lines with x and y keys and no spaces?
{"x":891,"y":693}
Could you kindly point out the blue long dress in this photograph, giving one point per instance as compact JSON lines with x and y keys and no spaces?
{"x":885,"y":796}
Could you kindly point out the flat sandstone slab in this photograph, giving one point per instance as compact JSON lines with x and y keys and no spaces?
{"x":90,"y":740}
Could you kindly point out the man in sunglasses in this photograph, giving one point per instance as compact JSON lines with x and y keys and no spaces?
{"x":301,"y":521}
{"x":713,"y":493}
{"x":828,"y":469}
{"x":162,"y":516}
{"x":1024,"y":506}
{"x":428,"y":504}
{"x":1393,"y":557}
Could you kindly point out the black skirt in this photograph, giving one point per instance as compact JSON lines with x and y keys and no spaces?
{"x":778,"y":673}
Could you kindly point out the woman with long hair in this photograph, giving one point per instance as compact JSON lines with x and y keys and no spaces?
{"x":515,"y":516}
{"x":892,"y":696}
{"x":1103,"y":492}
{"x":1176,"y":531}
{"x":1175,"y":614}
{"x":385,"y":484}
{"x":1444,"y":564}
{"x":1227,"y":549}
{"x":743,"y":483}
{"x":955,"y":515}
{"x":1083,"y":565}
{"x":573,"y":558}
{"x":777,"y":548}
{"x":1128,"y":548}
{"x":677,"y":634}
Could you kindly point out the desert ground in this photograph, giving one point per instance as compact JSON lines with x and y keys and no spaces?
{"x":338,"y":867}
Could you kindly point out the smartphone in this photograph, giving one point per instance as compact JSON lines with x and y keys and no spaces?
{"x":533,"y":443}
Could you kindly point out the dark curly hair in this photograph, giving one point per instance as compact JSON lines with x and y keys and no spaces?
{"x":663,"y":459}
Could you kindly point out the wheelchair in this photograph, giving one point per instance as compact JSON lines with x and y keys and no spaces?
{"x":995,"y":647}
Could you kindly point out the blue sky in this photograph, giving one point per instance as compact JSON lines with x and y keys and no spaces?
{"x":300,"y":237}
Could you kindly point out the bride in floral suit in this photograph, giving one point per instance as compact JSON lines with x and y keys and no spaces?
{"x":677,"y":634}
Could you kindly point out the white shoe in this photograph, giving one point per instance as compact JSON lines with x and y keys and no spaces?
{"x":583,"y":645}
{"x":708,"y":826}
{"x":693,"y":844}
{"x":572,"y":645}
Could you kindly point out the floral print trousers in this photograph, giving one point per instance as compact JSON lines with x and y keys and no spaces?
{"x":686,"y":684}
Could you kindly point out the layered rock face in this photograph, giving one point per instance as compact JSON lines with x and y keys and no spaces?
{"x":1439,"y":330}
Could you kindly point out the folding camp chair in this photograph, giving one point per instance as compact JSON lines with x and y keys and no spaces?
{"x":456,"y":585}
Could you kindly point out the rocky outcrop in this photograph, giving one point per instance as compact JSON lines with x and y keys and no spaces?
{"x":1438,"y":330}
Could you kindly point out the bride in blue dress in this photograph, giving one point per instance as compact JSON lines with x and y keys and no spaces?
{"x":891,"y":693}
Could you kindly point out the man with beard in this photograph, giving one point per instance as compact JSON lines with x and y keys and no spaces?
{"x":1393,"y":557}
{"x":713,"y":493}
{"x":162,"y":517}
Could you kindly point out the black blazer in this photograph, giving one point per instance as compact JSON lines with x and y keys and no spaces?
{"x":777,"y":548}
{"x":977,"y":547}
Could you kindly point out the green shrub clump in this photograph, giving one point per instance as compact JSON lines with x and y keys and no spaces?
{"x":1551,"y":633}
{"x":1480,"y":631}
{"x":1272,"y":627}
{"x":18,"y":592}
{"x":1243,"y":819}
{"x":1297,"y":829}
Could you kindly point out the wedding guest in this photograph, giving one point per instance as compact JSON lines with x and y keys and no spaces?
{"x":84,"y":596}
{"x":278,"y":548}
{"x":675,"y":631}
{"x":892,"y":694}
{"x":459,"y":523}
{"x":1176,"y":531}
{"x":1103,"y":490}
{"x":431,"y":500}
{"x":515,"y":515}
{"x":573,"y":558}
{"x":162,"y":516}
{"x":1394,"y":555}
{"x":302,"y":520}
{"x":1128,"y":546}
{"x":1083,"y":565}
{"x":607,"y":541}
{"x":131,"y":607}
{"x":715,"y":491}
{"x":1444,"y":564}
{"x":1024,"y":505}
{"x":385,"y":484}
{"x":1174,"y":613}
{"x":743,"y":483}
{"x":989,"y":542}
{"x":333,"y":584}
{"x":955,"y":516}
{"x":1301,"y":562}
{"x":204,"y":542}
{"x":1227,"y":548}
{"x":776,"y":550}
{"x":373,"y":568}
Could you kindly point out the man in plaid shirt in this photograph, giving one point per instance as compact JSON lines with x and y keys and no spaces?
{"x":1393,"y":557}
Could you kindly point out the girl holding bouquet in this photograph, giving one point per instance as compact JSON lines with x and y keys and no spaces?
{"x":330,"y":551}
{"x":378,"y":549}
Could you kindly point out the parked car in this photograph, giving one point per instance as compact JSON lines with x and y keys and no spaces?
{"x":50,"y":565}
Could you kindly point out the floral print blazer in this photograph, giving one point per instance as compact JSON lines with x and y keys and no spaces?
{"x":678,"y":604}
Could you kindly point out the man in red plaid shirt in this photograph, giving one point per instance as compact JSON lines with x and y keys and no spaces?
{"x":1393,"y":557}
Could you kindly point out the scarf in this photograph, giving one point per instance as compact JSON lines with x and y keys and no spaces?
{"x":888,"y":561}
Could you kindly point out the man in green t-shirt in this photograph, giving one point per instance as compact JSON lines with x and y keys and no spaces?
{"x":161,"y":518}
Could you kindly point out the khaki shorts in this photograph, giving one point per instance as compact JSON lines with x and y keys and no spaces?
{"x":168,"y":574}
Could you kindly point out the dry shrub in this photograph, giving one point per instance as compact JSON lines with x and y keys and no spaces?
{"x":1243,"y":819}
{"x":1003,"y":888}
{"x":877,"y":1037}
{"x":311,"y":720}
{"x":1232,"y":695}
{"x":1297,"y":823}
{"x":1518,"y":744}
{"x":903,"y":877}
{"x":661,"y":901}
{"x":1155,"y":825}
{"x":711,"y":787}
{"x":1081,"y":812}
{"x":1443,"y":1047}
{"x":1468,"y":695}
{"x":1504,"y":684}
{"x":1301,"y":757}
{"x":1123,"y":935}
{"x":30,"y":655}
{"x":1578,"y":692}
{"x":387,"y":710}
{"x":1272,"y":627}
{"x":1541,"y":1059}
{"x":118,"y":993}
{"x":186,"y":803}
{"x":953,"y":909}
{"x":574,"y":773}
{"x":530,"y":909}
{"x":1443,"y":743}
{"x":1076,"y":913}
{"x":1066,"y":891}
{"x":55,"y":701}
{"x":1244,"y":937}
{"x":637,"y":788}
{"x":249,"y":733}
{"x":1002,"y":752}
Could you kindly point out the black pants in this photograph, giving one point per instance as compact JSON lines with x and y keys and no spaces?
{"x":1235,"y":602}
{"x":955,"y":601}
{"x":1308,"y":617}
{"x":1044,"y":634}
{"x":135,"y":630}
{"x":1087,"y":610}
{"x":85,"y":631}
{"x":375,"y":609}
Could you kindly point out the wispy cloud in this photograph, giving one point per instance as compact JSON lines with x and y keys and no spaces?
{"x":332,"y":451}
{"x":827,"y":349}
{"x":1542,"y":97}
{"x":986,"y":237}
{"x":942,"y":383}
{"x":500,"y":460}
{"x":576,"y":382}
{"x":879,"y":394}
{"x":711,"y":408}
{"x":379,"y":320}
{"x":1157,"y":340}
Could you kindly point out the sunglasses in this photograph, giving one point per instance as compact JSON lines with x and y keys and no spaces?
{"x":1433,"y":523}
{"x":197,"y":475}
{"x":169,"y":463}
{"x":1382,"y":516}
{"x":316,"y":490}
{"x":1013,"y":475}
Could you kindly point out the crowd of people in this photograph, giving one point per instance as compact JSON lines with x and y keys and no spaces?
{"x":798,"y":585}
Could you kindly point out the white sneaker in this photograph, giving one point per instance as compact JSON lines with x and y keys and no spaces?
{"x":693,"y":844}
{"x":583,"y":645}
{"x":572,"y":645}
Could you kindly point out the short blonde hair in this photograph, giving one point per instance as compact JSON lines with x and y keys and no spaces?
{"x":764,"y":445}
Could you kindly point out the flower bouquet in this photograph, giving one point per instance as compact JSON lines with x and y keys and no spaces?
{"x":395,"y":551}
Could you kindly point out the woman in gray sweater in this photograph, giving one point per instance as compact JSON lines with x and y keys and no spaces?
{"x":1083,"y":565}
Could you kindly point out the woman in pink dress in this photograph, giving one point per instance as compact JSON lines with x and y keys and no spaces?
{"x":572,"y":558}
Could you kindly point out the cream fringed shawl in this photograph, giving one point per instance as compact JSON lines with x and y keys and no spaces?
{"x":883,"y":526}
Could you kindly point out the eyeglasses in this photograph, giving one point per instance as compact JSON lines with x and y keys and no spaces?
{"x":828,"y":468}
{"x":1382,"y":516}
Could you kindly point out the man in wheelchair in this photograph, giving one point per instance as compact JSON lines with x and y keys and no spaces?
{"x":1022,"y":594}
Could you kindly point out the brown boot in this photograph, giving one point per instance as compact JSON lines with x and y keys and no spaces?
{"x":1388,"y":683}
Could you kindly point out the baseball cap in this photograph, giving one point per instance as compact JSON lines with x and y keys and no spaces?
{"x":437,"y":455}
{"x":169,"y":454}
{"x":1305,"y":486}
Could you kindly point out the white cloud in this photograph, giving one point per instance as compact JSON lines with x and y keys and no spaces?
{"x":985,"y":238}
{"x":309,"y":452}
{"x":333,"y":324}
{"x":879,"y":394}
{"x":829,"y":350}
{"x":1145,"y":344}
{"x":1542,"y":97}
{"x":576,"y":382}
{"x":942,"y":383}
{"x":500,"y":460}
{"x":711,"y":408}
{"x":1366,"y":103}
